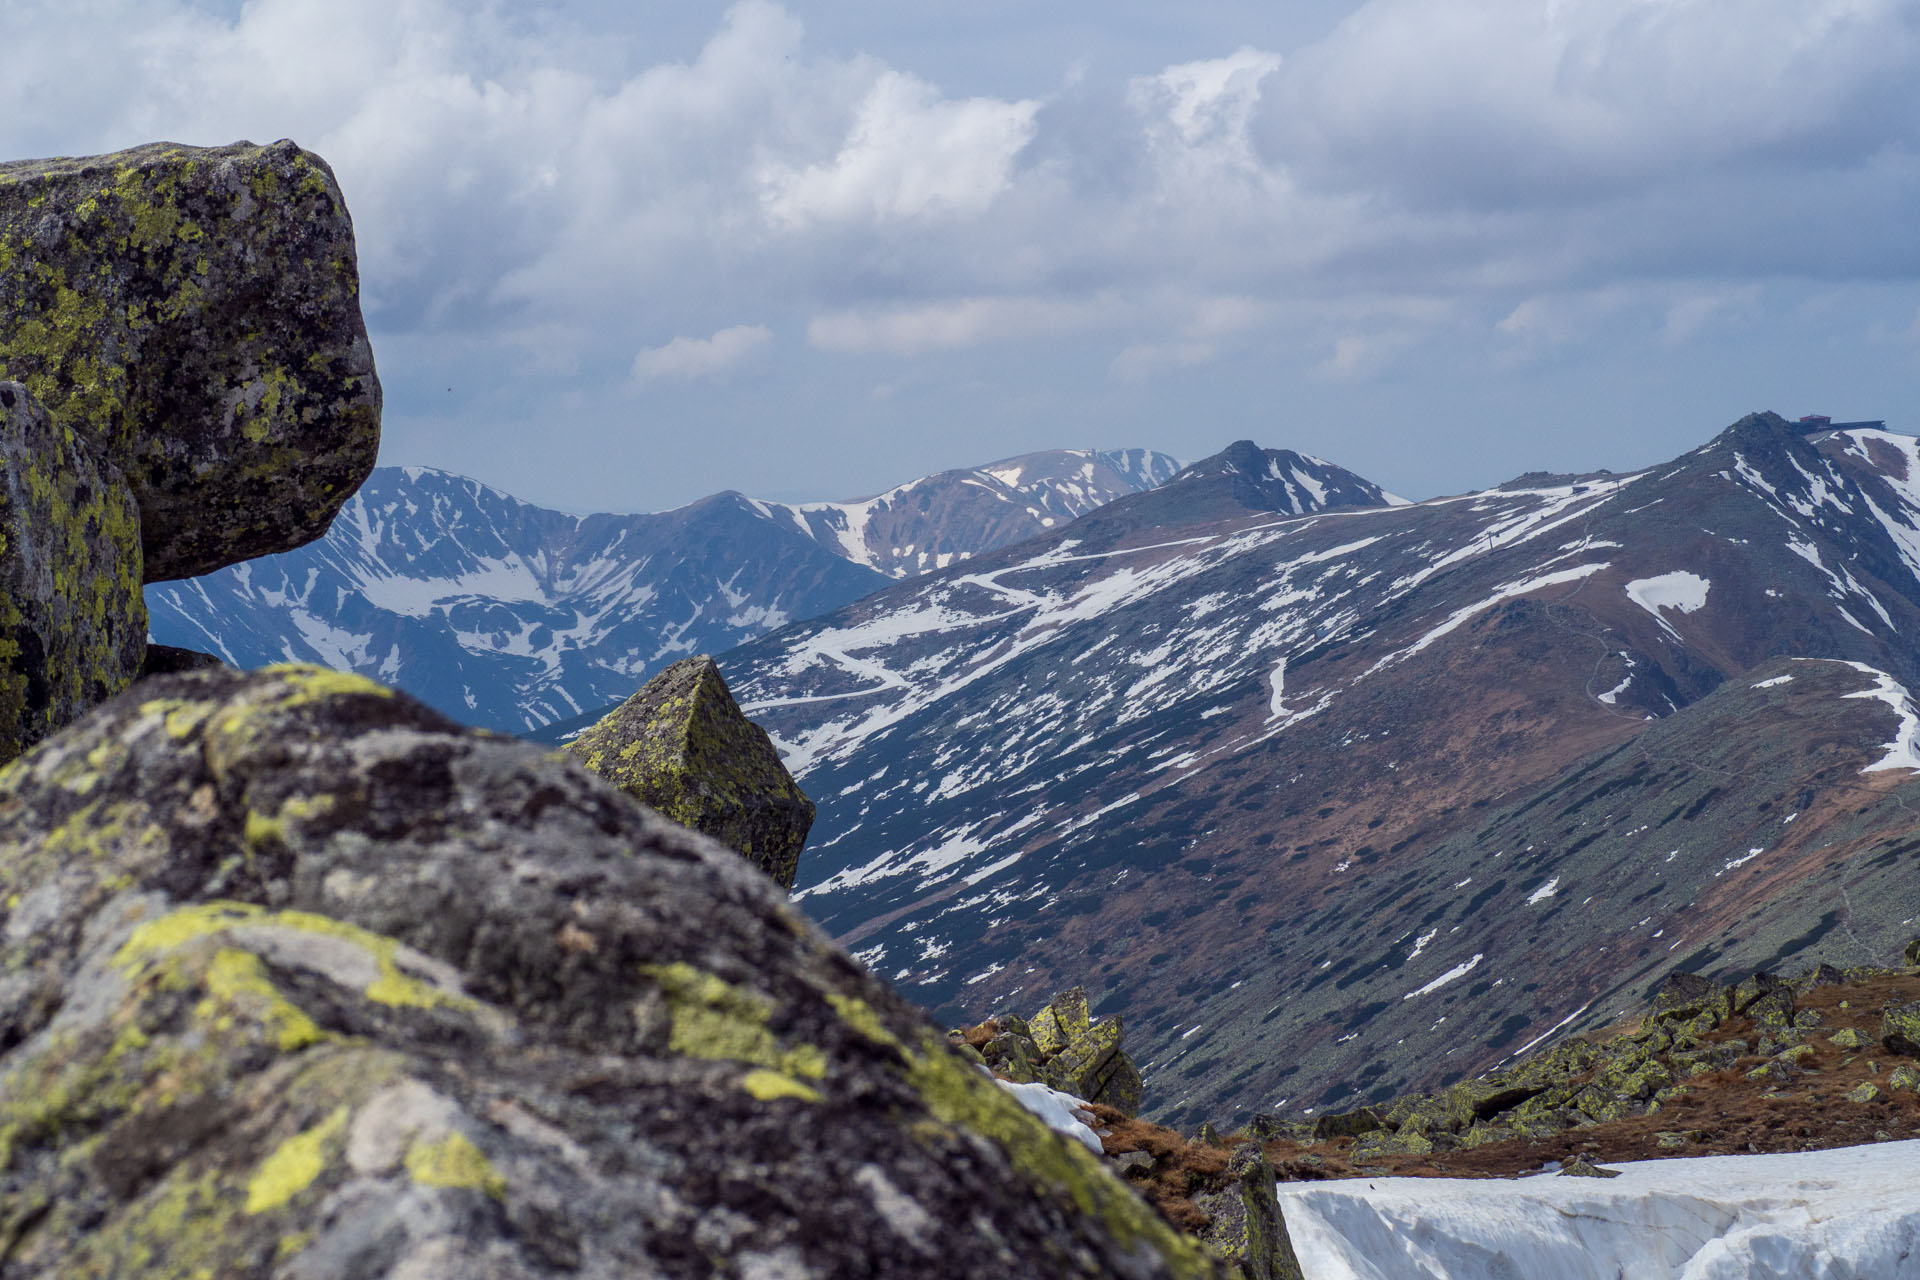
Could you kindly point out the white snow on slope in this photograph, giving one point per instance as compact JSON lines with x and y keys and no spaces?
{"x":1508,"y":591}
{"x":1061,"y":1112}
{"x":1460,"y":970}
{"x":1904,"y":751}
{"x":1680,"y":590}
{"x":1848,"y":1214}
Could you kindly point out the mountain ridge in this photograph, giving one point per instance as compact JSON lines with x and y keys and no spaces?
{"x":512,"y":616}
{"x":1197,"y":767}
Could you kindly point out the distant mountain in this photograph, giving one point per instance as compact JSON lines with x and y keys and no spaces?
{"x":942,"y":519}
{"x":1354,"y":803}
{"x":513,"y":617}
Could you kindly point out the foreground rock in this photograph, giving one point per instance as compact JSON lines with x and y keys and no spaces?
{"x":73,"y":625}
{"x":193,"y":314}
{"x":682,"y":746}
{"x":301,"y":980}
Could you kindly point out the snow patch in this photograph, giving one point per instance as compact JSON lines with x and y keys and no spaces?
{"x":1686,"y":592}
{"x":1544,"y":892}
{"x":1849,"y":1212}
{"x":1904,"y":751}
{"x":1458,"y":971}
{"x":1061,"y":1112}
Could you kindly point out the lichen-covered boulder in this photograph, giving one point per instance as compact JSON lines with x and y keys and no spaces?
{"x":1245,"y":1222}
{"x":1683,"y":997}
{"x":194,"y":313}
{"x":299,"y":979}
{"x":682,"y":746}
{"x":1065,"y":1048}
{"x":1900,"y":1028}
{"x":73,"y":624}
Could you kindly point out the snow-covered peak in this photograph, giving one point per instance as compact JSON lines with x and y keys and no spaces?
{"x":940,"y":520}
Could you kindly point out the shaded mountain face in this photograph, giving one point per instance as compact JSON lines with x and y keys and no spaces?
{"x":1353,"y":804}
{"x":509,"y":616}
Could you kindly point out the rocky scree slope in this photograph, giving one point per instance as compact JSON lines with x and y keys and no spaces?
{"x":301,"y":979}
{"x":185,"y":381}
{"x":1214,"y":767}
{"x":513,"y":617}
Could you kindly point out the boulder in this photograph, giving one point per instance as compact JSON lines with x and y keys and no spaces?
{"x":299,"y":978}
{"x":1245,"y":1225}
{"x":1347,"y":1124}
{"x":1064,"y":1047}
{"x":1682,"y":997}
{"x":73,"y":624}
{"x":1900,"y":1028}
{"x":167,"y":660}
{"x":194,"y":315}
{"x":682,"y":746}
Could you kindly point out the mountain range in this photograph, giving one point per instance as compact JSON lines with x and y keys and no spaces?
{"x":1339,"y":805}
{"x":509,"y":616}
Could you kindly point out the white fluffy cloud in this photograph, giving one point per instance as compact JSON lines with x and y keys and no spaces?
{"x":1476,"y":145}
{"x":558,"y":188}
{"x":702,"y":357}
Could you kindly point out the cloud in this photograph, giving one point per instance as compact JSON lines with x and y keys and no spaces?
{"x":685,"y":358}
{"x":963,"y":322}
{"x":549,"y":188}
{"x":909,"y":154}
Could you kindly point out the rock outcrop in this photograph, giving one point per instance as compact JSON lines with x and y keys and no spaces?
{"x":73,"y":625}
{"x":1064,"y":1048}
{"x":299,"y":979}
{"x":193,"y":314}
{"x":682,"y":746}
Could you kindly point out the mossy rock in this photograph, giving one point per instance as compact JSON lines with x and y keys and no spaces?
{"x":1683,"y":997}
{"x":194,"y":314}
{"x":73,"y":623}
{"x":1245,"y":1224}
{"x":1849,"y":1039}
{"x":302,"y":979}
{"x":1900,"y":1029}
{"x":682,"y":746}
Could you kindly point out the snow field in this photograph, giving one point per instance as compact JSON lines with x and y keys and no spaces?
{"x":1846,"y":1214}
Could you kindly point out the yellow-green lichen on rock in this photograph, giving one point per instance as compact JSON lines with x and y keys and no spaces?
{"x":323,"y":986}
{"x":682,"y":746}
{"x":193,"y":314}
{"x":73,"y":623}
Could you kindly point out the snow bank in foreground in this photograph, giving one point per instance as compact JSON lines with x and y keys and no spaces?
{"x":1850,"y":1214}
{"x":1060,"y":1112}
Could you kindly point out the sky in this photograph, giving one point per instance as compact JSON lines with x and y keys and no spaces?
{"x":620,"y":255}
